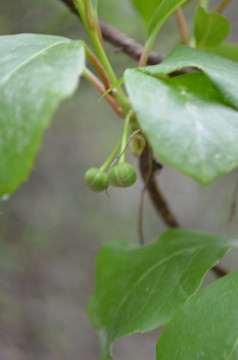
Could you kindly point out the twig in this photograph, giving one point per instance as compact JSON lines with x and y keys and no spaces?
{"x":101,"y":88}
{"x":127,"y":45}
{"x":121,"y":41}
{"x":160,"y":203}
{"x":222,"y":6}
{"x":141,"y":204}
{"x":182,"y":25}
{"x":98,"y":66}
{"x":140,"y":216}
{"x":156,"y":196}
{"x":233,"y":205}
{"x":220,"y":270}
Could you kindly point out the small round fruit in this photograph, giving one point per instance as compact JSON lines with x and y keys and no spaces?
{"x":96,"y":179}
{"x":122,"y":175}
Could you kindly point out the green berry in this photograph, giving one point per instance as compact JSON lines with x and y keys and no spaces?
{"x":96,"y":179}
{"x":122,"y":175}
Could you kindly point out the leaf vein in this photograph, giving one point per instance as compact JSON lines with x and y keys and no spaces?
{"x":183,"y":251}
{"x":27,"y":61}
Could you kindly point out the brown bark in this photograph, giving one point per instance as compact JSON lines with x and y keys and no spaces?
{"x":160,"y":203}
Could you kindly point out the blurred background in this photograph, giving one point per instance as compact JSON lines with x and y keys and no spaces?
{"x":52,"y":228}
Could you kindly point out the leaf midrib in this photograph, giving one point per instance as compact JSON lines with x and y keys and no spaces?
{"x":183,"y":251}
{"x":28,"y":60}
{"x":208,"y":31}
{"x":233,"y":349}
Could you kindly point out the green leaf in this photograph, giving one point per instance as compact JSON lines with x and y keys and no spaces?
{"x":114,"y":86}
{"x":138,"y":289}
{"x":222,"y":72}
{"x":187,"y":123}
{"x":206,"y":327}
{"x":163,"y":11}
{"x":227,"y":50}
{"x":210,"y":29}
{"x":155,"y":12}
{"x":146,"y":8}
{"x":36,"y":73}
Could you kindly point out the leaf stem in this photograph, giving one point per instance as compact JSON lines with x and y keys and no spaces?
{"x":89,"y":15}
{"x":96,"y":40}
{"x":182,"y":25}
{"x":222,"y":6}
{"x":146,"y":50}
{"x":124,"y":137}
{"x":98,"y":66}
{"x":101,"y":88}
{"x":151,"y":39}
{"x":111,"y":157}
{"x":120,"y":96}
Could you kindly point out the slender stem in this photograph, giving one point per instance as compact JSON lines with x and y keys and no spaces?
{"x":146,"y":51}
{"x":99,"y":33}
{"x":99,"y":49}
{"x":124,"y":137}
{"x":146,"y":180}
{"x":110,"y":158}
{"x":101,"y":88}
{"x":92,"y":20}
{"x":120,"y":97}
{"x":80,"y":9}
{"x":182,"y":25}
{"x":233,"y":205}
{"x":98,"y":66}
{"x":121,"y":41}
{"x":124,"y":149}
{"x":150,"y":41}
{"x":89,"y":15}
{"x":222,"y":6}
{"x":156,"y":195}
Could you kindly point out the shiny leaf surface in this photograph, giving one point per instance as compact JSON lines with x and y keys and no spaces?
{"x":36,"y":73}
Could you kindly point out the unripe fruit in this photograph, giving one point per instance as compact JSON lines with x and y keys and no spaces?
{"x":96,"y":179}
{"x":122,"y":175}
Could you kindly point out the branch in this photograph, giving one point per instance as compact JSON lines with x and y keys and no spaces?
{"x":101,"y":88}
{"x":220,"y":270}
{"x":155,"y":194}
{"x":121,"y":41}
{"x":160,"y":202}
{"x":222,"y":5}
{"x":182,"y":25}
{"x":127,"y":45}
{"x":134,"y":49}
